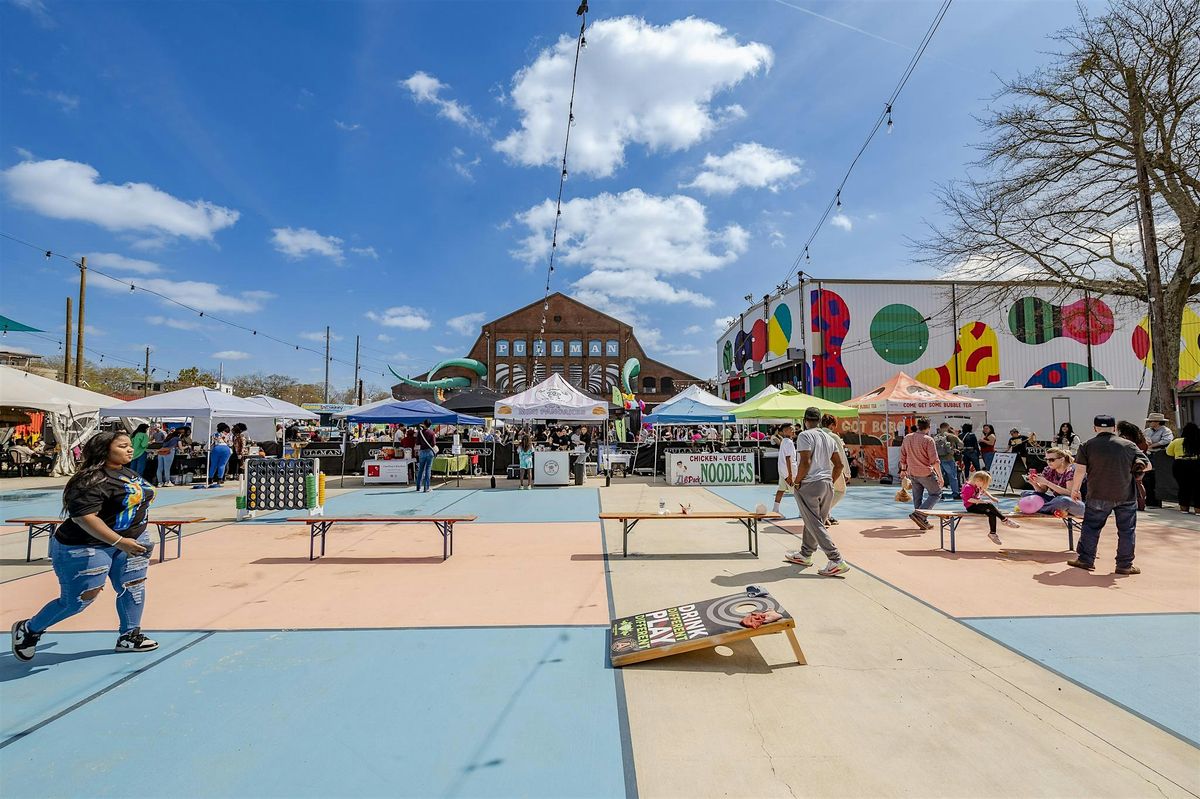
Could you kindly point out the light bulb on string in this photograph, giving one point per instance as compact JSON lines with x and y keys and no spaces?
{"x":583,"y":42}
{"x":807,"y":257}
{"x":48,"y":254}
{"x":839,"y":199}
{"x":564,"y":175}
{"x":131,"y":287}
{"x":889,"y":118}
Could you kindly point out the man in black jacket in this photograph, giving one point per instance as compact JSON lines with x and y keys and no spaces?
{"x":1108,"y":462}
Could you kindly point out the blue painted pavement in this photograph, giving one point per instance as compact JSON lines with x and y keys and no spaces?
{"x":1148,"y":663}
{"x":48,"y":502}
{"x":436,"y":712}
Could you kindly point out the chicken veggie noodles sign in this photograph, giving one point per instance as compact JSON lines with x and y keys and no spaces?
{"x":710,"y":468}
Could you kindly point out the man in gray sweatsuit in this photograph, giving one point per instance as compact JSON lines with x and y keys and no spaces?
{"x":820,"y":467}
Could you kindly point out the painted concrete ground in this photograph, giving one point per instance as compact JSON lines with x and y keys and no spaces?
{"x":381,"y":670}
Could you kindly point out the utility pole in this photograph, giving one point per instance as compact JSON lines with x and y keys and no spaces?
{"x":1165,"y":383}
{"x":79,"y":332}
{"x":67,"y":347}
{"x":146,"y":375}
{"x":355,"y":385}
{"x":360,"y":392}
{"x":326,"y":400}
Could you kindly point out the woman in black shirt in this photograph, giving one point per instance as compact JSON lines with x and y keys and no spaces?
{"x":104,"y":536}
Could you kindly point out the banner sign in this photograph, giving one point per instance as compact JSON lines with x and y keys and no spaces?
{"x":710,"y":468}
{"x":682,"y":628}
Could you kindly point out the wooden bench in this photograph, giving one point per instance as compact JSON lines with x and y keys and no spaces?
{"x":319,"y":526}
{"x":629,"y":520}
{"x":948,"y":521}
{"x":170,"y":526}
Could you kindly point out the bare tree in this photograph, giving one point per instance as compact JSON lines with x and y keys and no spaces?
{"x":1091,"y":174}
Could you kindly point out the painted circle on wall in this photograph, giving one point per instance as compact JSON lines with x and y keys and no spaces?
{"x":758,"y":348}
{"x":779,"y":331}
{"x":899,"y":333}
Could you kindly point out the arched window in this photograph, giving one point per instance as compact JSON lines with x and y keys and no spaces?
{"x":668,"y":385}
{"x":501,"y":348}
{"x":648,"y":385}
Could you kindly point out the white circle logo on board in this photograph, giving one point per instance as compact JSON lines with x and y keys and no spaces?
{"x":551,"y":468}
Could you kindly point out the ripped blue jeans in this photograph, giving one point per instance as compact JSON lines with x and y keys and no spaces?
{"x":81,"y":572}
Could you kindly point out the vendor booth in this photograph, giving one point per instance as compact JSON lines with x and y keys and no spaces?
{"x":392,"y":466}
{"x":889,"y":409}
{"x":700,"y":468}
{"x":552,"y":400}
{"x":784,"y":405}
{"x":71,"y":412}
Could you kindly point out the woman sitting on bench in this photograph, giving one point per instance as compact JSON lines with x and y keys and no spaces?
{"x":1054,"y":485}
{"x":976,"y":499}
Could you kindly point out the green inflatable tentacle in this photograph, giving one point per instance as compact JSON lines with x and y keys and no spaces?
{"x":631,"y":370}
{"x":466,"y":363}
{"x":446,"y":382}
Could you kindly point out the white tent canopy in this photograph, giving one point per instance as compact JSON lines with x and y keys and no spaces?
{"x":197,"y":402}
{"x":766,"y":392}
{"x":694,"y":392}
{"x":25,"y":390}
{"x":282,"y":409}
{"x":553,"y":398}
{"x":71,"y":411}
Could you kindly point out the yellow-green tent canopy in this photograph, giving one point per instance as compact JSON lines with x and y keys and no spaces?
{"x":789,"y":403}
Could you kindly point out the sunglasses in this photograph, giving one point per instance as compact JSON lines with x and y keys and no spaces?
{"x":1053,"y":458}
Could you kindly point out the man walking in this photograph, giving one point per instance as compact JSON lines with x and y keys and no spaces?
{"x":821,"y":464}
{"x":1158,"y":437}
{"x":787,"y":463}
{"x":948,"y":447}
{"x":919,"y":461}
{"x":1109,"y":463}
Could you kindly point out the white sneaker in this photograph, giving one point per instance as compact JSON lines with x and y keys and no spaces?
{"x":795,"y":557}
{"x":134,"y":641}
{"x":833,"y":568}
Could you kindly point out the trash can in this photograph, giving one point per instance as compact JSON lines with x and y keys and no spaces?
{"x":579,"y":471}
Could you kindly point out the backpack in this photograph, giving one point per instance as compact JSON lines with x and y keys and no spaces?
{"x":945,"y":450}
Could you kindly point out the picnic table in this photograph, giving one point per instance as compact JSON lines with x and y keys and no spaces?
{"x":319,"y":526}
{"x":48,"y":526}
{"x":630,"y":519}
{"x":948,"y":521}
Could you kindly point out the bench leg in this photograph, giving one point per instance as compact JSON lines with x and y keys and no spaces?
{"x":317,"y":529}
{"x":953,"y":529}
{"x":35,"y":531}
{"x":791,"y":636}
{"x":625,"y":527}
{"x":1070,"y":533}
{"x":447,"y":531}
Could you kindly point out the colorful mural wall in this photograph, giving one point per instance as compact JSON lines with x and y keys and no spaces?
{"x":857,"y":334}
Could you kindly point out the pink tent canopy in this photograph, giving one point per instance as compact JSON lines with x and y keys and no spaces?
{"x":904,"y":395}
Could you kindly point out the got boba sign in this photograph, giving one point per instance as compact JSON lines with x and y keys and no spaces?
{"x":710,"y":468}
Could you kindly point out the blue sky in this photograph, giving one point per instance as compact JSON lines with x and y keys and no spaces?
{"x":387,"y":168}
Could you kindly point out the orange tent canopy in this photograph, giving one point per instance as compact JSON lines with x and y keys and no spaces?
{"x":903,"y":395}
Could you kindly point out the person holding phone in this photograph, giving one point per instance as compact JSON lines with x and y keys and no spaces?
{"x":104,"y":537}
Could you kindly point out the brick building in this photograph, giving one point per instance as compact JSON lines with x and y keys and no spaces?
{"x":587,"y":347}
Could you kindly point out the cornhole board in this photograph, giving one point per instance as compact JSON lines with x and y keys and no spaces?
{"x":698,"y":625}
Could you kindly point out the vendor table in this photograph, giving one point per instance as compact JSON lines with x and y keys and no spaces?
{"x":609,"y":460}
{"x":450,"y":464}
{"x":551,"y":468}
{"x":394,"y":470}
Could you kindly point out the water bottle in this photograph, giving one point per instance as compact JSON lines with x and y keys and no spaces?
{"x":662,"y":506}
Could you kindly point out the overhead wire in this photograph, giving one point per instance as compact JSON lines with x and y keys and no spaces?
{"x":885,"y":116}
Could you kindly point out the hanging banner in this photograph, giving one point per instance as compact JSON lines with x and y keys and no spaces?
{"x":710,"y":468}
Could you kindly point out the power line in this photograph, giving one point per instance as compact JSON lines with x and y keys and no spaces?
{"x":885,"y":116}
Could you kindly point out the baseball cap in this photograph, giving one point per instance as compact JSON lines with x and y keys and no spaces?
{"x":1104,"y":420}
{"x":812,"y":413}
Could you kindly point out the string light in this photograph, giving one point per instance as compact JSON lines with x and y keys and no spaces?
{"x":884,"y":119}
{"x":581,"y":43}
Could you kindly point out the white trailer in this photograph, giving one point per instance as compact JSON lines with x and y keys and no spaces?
{"x":1042,"y":410}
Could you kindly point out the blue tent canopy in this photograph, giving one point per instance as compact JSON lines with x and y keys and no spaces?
{"x":412,"y":412}
{"x":689,"y":411}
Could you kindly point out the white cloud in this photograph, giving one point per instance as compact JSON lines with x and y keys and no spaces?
{"x":401,"y":316}
{"x":464,"y":167}
{"x":842,"y":221}
{"x":445,"y":350}
{"x":639,"y":84}
{"x":749,"y":165}
{"x":722,"y":323}
{"x":230,"y":355}
{"x":38,"y":9}
{"x":681,"y":352}
{"x":120,"y":263}
{"x":384,"y":337}
{"x":346,"y":125}
{"x":366,"y":252}
{"x":19,"y":350}
{"x":302,"y":242}
{"x":203,"y":296}
{"x":63,"y":189}
{"x":629,"y":243}
{"x":24,"y":154}
{"x":173,"y":322}
{"x":66,"y":102}
{"x":466,"y":324}
{"x":692,"y":330}
{"x":319,"y":336}
{"x":426,"y":88}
